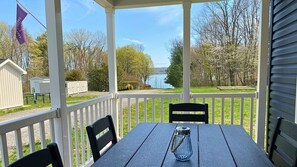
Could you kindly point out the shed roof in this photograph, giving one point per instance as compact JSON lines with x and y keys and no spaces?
{"x":15,"y":66}
{"x":40,"y":78}
{"x":2,"y":60}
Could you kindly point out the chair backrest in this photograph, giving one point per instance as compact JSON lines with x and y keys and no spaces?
{"x":97,"y":144}
{"x":283,"y":146}
{"x":41,"y":158}
{"x":201,"y":112}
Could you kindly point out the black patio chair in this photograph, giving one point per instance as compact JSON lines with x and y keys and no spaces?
{"x":179,"y":112}
{"x":48,"y":156}
{"x":283,"y":147}
{"x":97,"y":144}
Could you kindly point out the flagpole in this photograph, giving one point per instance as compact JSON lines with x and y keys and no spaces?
{"x":31,"y":14}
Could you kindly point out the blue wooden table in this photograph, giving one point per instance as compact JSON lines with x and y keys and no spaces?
{"x":148,"y":144}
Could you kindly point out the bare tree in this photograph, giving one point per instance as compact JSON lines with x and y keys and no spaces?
{"x":231,"y":27}
{"x":83,"y":50}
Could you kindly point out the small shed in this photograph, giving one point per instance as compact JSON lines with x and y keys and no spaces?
{"x":75,"y":87}
{"x":11,"y":90}
{"x":40,"y":84}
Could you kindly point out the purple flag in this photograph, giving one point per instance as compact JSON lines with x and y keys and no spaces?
{"x":20,"y":33}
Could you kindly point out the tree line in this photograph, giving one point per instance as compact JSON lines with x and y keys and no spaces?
{"x":226,"y":46}
{"x":85,"y":58}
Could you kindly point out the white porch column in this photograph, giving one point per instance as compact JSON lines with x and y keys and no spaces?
{"x":112,"y":66}
{"x":262,"y":74}
{"x":56,"y":70}
{"x":186,"y":49}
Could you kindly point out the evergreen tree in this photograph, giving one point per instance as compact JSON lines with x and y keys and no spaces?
{"x":175,"y":70}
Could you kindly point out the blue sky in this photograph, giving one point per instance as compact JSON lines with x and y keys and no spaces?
{"x":152,"y":27}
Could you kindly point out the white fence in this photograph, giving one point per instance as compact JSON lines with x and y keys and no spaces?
{"x":38,"y":130}
{"x":74,"y":87}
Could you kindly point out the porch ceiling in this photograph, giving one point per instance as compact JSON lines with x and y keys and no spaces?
{"x":125,"y":4}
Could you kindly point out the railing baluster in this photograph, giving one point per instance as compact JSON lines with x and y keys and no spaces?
{"x":223,"y":111}
{"x":251,"y":117}
{"x":88,"y":123}
{"x":42,"y":134}
{"x":76,"y":138}
{"x":106,"y":107}
{"x":153,"y":109}
{"x":4,"y":150}
{"x":232,"y":110}
{"x":110,"y":107}
{"x":241,"y":110}
{"x":18,"y":143}
{"x":129,"y":115}
{"x":162,"y":109}
{"x":70,"y":139}
{"x":213,"y":110}
{"x":92,"y":114}
{"x":81,"y":120}
{"x":31,"y":138}
{"x":203,"y":100}
{"x":96,"y":112}
{"x":52,"y":130}
{"x":145,"y":109}
{"x":137,"y":111}
{"x":121,"y":117}
{"x":101,"y":110}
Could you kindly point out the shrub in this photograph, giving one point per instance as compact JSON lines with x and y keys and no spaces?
{"x":73,"y":75}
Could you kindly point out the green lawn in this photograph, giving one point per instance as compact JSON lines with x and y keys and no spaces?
{"x":213,"y":89}
{"x":40,"y":104}
{"x":26,"y":148}
{"x":161,"y":111}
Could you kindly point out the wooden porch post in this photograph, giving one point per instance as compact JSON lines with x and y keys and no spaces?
{"x":186,"y":49}
{"x":262,"y":74}
{"x":112,"y":66}
{"x":56,"y":70}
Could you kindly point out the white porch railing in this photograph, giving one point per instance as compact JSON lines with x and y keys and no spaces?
{"x":223,"y":109}
{"x":81,"y":115}
{"x":133,"y":109}
{"x":29,"y":131}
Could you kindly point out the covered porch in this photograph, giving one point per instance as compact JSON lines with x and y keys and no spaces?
{"x":66,"y":124}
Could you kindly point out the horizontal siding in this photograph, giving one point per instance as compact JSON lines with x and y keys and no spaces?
{"x":283,"y":68}
{"x":11,"y":93}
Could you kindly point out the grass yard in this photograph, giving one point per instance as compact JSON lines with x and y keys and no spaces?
{"x":157,"y":109}
{"x":213,"y":89}
{"x":81,"y":143}
{"x":40,"y":104}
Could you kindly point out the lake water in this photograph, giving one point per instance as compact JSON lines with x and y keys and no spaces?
{"x":158,"y":81}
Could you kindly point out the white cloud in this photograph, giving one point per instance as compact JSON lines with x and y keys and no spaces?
{"x":165,"y":14}
{"x":65,"y":5}
{"x":133,"y":40}
{"x":180,"y":31}
{"x":89,"y":5}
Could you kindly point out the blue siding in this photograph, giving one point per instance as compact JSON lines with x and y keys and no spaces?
{"x":283,"y":62}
